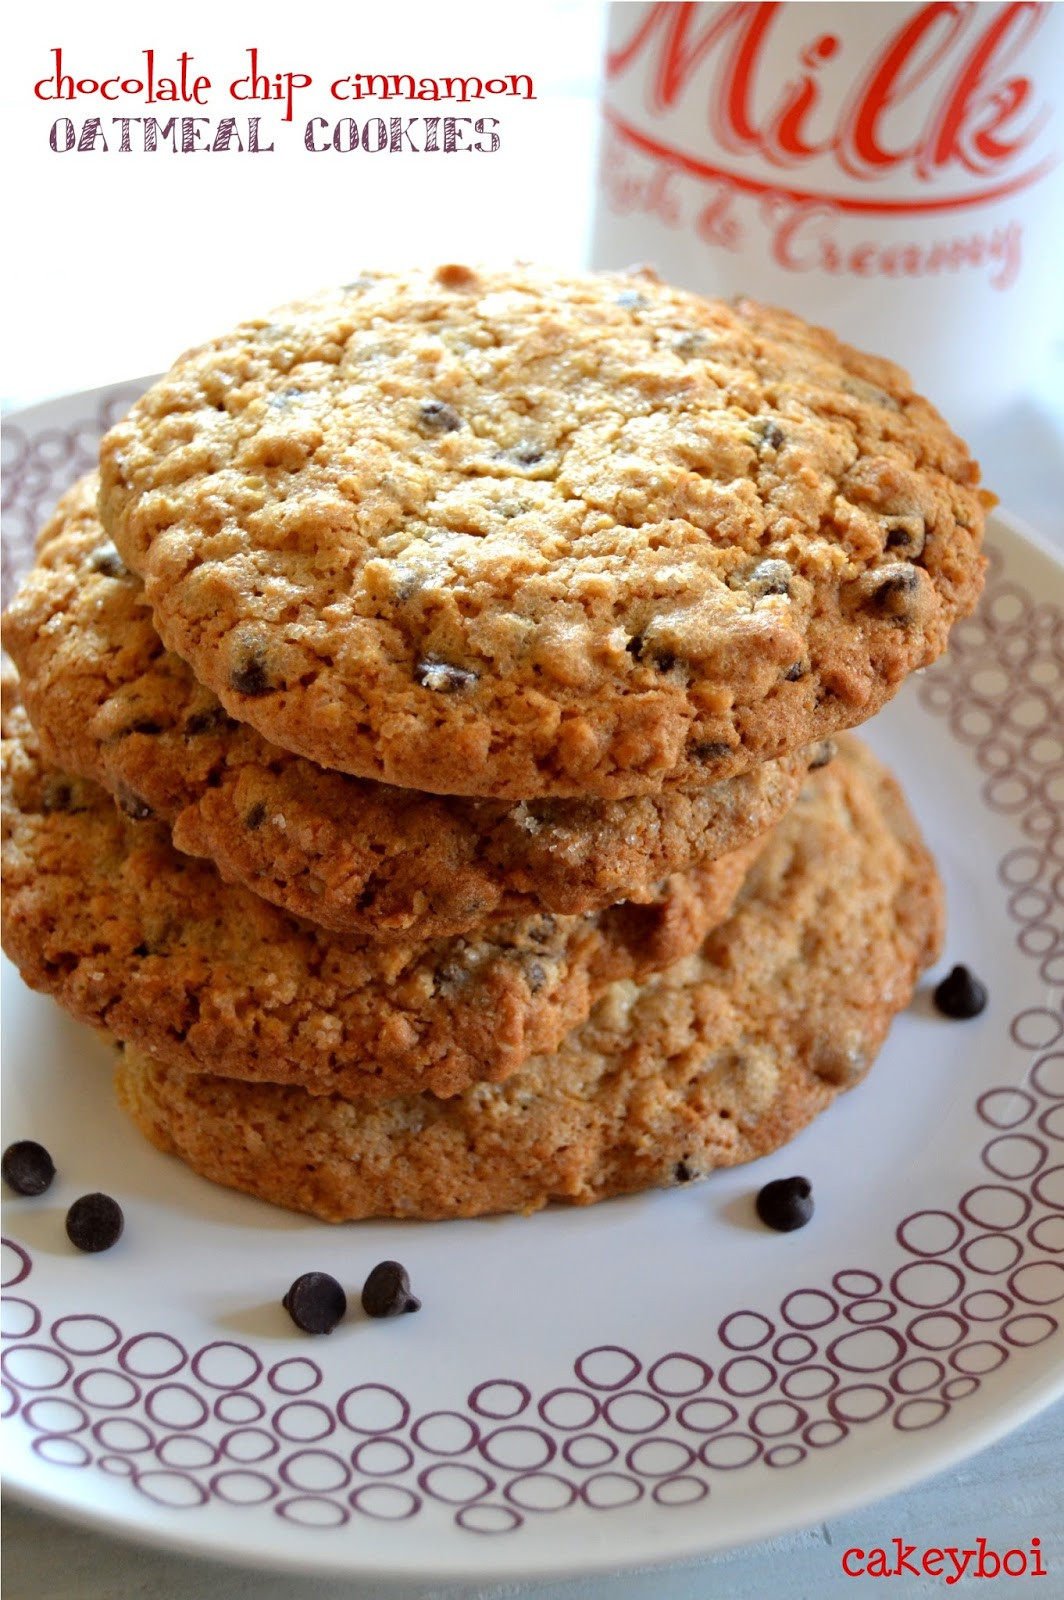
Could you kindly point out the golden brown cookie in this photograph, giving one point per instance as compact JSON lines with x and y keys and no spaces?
{"x":102,"y":912}
{"x":721,"y":1058}
{"x":517,"y":534}
{"x":110,"y":703}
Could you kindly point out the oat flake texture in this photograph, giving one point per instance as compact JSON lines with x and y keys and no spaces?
{"x":514,"y":534}
{"x":131,"y":936}
{"x":719,"y":1059}
{"x":110,"y":703}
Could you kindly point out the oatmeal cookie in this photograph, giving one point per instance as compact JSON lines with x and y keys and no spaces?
{"x":129,"y":935}
{"x":720,"y":1059}
{"x":518,"y":534}
{"x":110,"y":703}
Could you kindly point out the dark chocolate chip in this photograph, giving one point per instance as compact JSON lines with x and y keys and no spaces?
{"x":249,"y":675}
{"x":909,"y":539}
{"x":386,"y":1292}
{"x":892,"y":595}
{"x":57,"y":795}
{"x":526,"y":455}
{"x":451,"y":976}
{"x":542,"y":930}
{"x":213,"y":720}
{"x":961,"y":995}
{"x":824,"y":752}
{"x":663,"y":660}
{"x":442,"y":678}
{"x":107,"y":561}
{"x":94,"y":1222}
{"x":770,"y":577}
{"x":315,"y":1302}
{"x":682,"y":1172}
{"x":786,"y":1204}
{"x":631,"y":299}
{"x":27,"y":1167}
{"x":436,"y":416}
{"x":255,"y":817}
{"x":537,"y":976}
{"x":793,"y":674}
{"x":771,"y":432}
{"x":707,"y":750}
{"x":142,"y":950}
{"x":131,"y":805}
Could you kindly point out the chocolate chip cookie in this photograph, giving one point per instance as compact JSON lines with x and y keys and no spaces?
{"x":110,"y":703}
{"x":718,"y":1060}
{"x":129,"y":935}
{"x":522,"y":534}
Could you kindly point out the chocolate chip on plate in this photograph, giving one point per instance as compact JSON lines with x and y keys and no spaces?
{"x":315,"y":1302}
{"x":960,"y":995}
{"x":27,"y":1167}
{"x":95,"y":1222}
{"x":386,"y":1292}
{"x":786,"y":1204}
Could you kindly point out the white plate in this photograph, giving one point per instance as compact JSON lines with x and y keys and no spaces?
{"x":650,"y":1379}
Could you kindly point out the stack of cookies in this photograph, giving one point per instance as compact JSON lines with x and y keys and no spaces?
{"x":423,"y":755}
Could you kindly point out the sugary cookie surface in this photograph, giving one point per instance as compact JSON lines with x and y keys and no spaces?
{"x":517,"y":534}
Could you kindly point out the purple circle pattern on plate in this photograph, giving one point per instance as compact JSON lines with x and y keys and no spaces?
{"x":973,"y":1283}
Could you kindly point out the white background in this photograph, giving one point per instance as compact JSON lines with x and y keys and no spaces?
{"x":114,"y":263}
{"x":117,"y":262}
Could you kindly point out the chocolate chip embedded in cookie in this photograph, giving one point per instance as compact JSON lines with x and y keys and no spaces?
{"x":102,"y":912}
{"x":110,"y":703}
{"x":520,"y":534}
{"x":722,"y":1058}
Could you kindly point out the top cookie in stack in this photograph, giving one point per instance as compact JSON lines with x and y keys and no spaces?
{"x":515,"y":534}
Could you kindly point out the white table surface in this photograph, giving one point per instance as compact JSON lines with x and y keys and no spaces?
{"x":1011,"y":1492}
